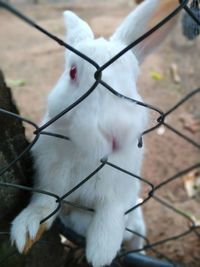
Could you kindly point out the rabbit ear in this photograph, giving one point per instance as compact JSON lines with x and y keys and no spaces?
{"x":144,"y":17}
{"x":77,"y":30}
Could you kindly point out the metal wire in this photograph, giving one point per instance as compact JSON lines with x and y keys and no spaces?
{"x":192,"y":228}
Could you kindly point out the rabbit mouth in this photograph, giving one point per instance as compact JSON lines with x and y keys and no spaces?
{"x":114,"y":145}
{"x":111,"y":140}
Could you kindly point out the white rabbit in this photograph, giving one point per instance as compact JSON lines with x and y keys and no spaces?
{"x":101,"y":125}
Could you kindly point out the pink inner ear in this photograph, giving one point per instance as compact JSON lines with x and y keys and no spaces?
{"x":73,"y":73}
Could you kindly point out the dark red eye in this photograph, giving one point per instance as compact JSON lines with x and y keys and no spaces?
{"x":73,"y":73}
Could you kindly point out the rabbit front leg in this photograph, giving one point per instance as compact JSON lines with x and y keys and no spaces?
{"x":135,"y":240}
{"x":26,"y":228}
{"x":105,"y":233}
{"x":51,"y":177}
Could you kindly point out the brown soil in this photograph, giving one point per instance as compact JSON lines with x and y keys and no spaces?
{"x":30,"y":56}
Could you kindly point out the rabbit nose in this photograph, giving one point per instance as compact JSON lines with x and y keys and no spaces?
{"x":115,"y":145}
{"x":112,"y":141}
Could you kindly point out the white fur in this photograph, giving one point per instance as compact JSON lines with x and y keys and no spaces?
{"x":91,"y":126}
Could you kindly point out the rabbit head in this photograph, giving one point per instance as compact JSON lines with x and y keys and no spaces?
{"x":104,"y":123}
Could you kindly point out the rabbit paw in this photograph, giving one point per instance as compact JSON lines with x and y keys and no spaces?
{"x":26,"y":228}
{"x":100,"y":253}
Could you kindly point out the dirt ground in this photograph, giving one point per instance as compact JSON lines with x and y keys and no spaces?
{"x":32,"y":63}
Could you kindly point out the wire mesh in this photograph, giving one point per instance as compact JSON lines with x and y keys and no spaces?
{"x":161,"y":120}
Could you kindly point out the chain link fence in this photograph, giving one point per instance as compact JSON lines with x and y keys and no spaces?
{"x":193,"y":228}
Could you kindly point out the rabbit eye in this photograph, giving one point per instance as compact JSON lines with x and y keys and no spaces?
{"x":73,"y":73}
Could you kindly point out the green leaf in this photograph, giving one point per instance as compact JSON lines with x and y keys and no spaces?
{"x":156,"y":75}
{"x":16,"y":83}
